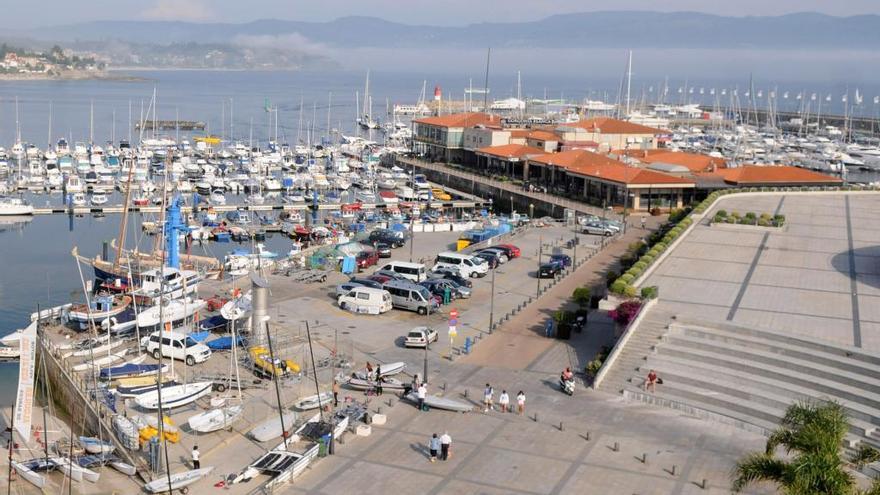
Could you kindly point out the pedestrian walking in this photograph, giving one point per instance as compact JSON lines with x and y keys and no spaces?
{"x":378,"y":371}
{"x":335,"y":393}
{"x":504,"y":400}
{"x":487,"y":397}
{"x":520,"y":403}
{"x":422,"y":393}
{"x":434,"y":446}
{"x":195,"y":457}
{"x":369,"y":371}
{"x":379,"y":381}
{"x":445,"y":446}
{"x":643,"y":222}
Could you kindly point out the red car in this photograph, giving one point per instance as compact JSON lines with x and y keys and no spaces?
{"x":512,"y":251}
{"x":366,"y":259}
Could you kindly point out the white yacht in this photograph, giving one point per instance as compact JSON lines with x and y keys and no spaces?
{"x":15,"y":206}
{"x":177,"y":283}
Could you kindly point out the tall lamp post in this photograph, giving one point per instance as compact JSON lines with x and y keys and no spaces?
{"x":492,"y":303}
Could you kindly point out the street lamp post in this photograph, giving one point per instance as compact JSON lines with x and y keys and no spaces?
{"x":492,"y":303}
{"x":538,"y":272}
{"x":604,"y":210}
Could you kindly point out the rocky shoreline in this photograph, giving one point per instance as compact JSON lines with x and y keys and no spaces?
{"x":72,"y":76}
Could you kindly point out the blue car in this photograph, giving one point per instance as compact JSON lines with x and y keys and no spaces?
{"x":563,"y":260}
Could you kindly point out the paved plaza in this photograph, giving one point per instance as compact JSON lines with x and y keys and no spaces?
{"x":817,"y":277}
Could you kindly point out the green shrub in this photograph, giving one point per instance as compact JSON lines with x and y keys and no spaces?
{"x":593,"y":367}
{"x":763,"y":222}
{"x":731,"y":220}
{"x":661,"y":246}
{"x":721,"y":213}
{"x":654,"y":252}
{"x":627,"y":278}
{"x":650,"y":292}
{"x":619,"y":287}
{"x":581,"y":296}
{"x":640,"y":266}
{"x":735,"y":214}
{"x":648,"y":258}
{"x":611,"y":276}
{"x":766,"y":216}
{"x":718,"y":218}
{"x":630,"y":291}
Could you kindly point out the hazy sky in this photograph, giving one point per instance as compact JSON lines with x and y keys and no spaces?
{"x":29,"y":13}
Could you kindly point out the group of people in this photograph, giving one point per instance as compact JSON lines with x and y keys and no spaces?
{"x":503,"y":401}
{"x":440,"y":446}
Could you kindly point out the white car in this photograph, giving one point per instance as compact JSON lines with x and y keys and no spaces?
{"x":420,"y":337}
{"x":598,"y":229}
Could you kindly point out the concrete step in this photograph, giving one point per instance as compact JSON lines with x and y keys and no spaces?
{"x":826,"y":355}
{"x":850,"y":352}
{"x":778,"y":396}
{"x":749,"y":357}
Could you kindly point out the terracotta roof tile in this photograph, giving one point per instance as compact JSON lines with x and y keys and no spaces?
{"x":607,"y":125}
{"x":773,"y":174}
{"x":588,"y":164}
{"x":543,"y":135}
{"x":693,"y":161}
{"x":511,"y":151}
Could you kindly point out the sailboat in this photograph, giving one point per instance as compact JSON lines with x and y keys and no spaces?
{"x":215,"y":419}
{"x":178,"y":480}
{"x":174,"y":396}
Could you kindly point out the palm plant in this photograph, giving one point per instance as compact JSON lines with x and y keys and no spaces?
{"x":812,"y":435}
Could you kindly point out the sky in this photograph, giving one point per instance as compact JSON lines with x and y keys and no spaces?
{"x":30,"y":14}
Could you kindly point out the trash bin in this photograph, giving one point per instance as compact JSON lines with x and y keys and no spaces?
{"x":462,"y":244}
{"x":563,"y":332}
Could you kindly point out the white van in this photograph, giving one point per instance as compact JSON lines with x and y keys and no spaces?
{"x":178,"y":345}
{"x":366,"y":300}
{"x":414,"y":272}
{"x":467,"y":265}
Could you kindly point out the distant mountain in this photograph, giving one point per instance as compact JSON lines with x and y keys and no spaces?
{"x":586,"y":30}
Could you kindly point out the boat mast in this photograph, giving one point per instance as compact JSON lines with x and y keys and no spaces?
{"x":49,"y":139}
{"x":124,"y":225}
{"x":629,"y":68}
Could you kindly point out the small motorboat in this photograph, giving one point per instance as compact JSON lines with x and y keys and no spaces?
{"x":124,"y":468}
{"x":99,"y":199}
{"x":313,"y":401}
{"x":7,"y":352}
{"x":132,"y":369}
{"x":178,"y":480}
{"x":102,"y":361}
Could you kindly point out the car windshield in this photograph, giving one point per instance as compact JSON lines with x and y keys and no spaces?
{"x":191,"y":342}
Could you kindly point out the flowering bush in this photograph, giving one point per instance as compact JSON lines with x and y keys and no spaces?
{"x":626,"y":312}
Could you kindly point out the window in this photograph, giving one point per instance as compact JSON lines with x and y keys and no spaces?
{"x":363,"y":295}
{"x":178,"y":344}
{"x":191,"y":342}
{"x":166,"y":341}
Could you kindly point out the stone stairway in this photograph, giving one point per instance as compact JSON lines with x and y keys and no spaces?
{"x":747,"y":377}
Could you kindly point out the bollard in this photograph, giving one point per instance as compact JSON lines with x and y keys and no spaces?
{"x":465,"y":393}
{"x":560,"y":426}
{"x":379,"y":410}
{"x":587,"y":437}
{"x":444,"y":386}
{"x":705,"y":484}
{"x":390,"y":402}
{"x":535,"y":419}
{"x":644,"y":458}
{"x":672,"y":472}
{"x":616,"y":447}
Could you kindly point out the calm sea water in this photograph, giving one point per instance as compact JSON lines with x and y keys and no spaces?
{"x":35,"y":263}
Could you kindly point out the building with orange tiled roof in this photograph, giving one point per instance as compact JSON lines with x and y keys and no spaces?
{"x":774,"y":175}
{"x":659,"y":159}
{"x":600,"y":179}
{"x":611,"y":134}
{"x":508,"y":160}
{"x":441,"y":138}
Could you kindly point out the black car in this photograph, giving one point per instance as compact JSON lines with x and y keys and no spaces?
{"x":393,"y":238}
{"x":366,"y":282}
{"x":449,"y":274}
{"x":383,"y":250}
{"x":549,"y":270}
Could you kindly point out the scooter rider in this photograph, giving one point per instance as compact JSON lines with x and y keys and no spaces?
{"x":567,"y":375}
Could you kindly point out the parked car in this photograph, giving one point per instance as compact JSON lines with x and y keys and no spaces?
{"x":366,"y":282}
{"x":420,"y":337}
{"x":366,"y":300}
{"x":502,"y":254}
{"x":412,"y":297}
{"x":381,"y":279}
{"x":450,"y":274}
{"x":177,"y":345}
{"x":345,"y":288}
{"x":466,"y":264}
{"x":511,"y":250}
{"x":393,"y":238}
{"x":391,"y":274}
{"x":440,"y":194}
{"x":383,"y":250}
{"x":489,"y":257}
{"x":549,"y":270}
{"x":563,"y":259}
{"x":437,"y":286}
{"x":597,"y":228}
{"x":366,"y":259}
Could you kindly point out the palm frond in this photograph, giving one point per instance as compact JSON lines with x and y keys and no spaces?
{"x":759,"y":467}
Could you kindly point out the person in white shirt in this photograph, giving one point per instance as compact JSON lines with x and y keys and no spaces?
{"x":445,"y":444}
{"x":422,"y":393}
{"x":520,"y":403}
{"x":504,"y":400}
{"x":487,"y":397}
{"x":195,"y":457}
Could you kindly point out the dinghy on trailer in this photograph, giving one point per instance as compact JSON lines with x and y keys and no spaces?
{"x":176,"y":396}
{"x":271,"y":428}
{"x":96,"y":446}
{"x":131,"y":369}
{"x":313,"y":401}
{"x":386,"y":370}
{"x":444,"y":403}
{"x":215,"y":419}
{"x":387,"y":384}
{"x":112,"y":358}
{"x":138,"y":390}
{"x":178,"y":480}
